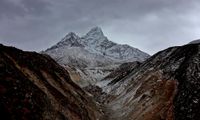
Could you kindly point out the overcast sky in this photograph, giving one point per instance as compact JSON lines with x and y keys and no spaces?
{"x":150,"y":25}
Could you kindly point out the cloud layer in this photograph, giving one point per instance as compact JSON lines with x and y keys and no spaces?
{"x":150,"y":25}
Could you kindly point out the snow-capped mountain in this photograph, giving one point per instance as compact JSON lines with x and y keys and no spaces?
{"x":97,"y":42}
{"x":93,"y":52}
{"x":95,"y":45}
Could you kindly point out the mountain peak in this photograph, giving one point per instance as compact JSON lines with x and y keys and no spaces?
{"x":71,"y":39}
{"x":70,"y":35}
{"x":95,"y":31}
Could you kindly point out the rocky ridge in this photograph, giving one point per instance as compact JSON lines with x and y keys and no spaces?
{"x":164,"y":87}
{"x":35,"y":87}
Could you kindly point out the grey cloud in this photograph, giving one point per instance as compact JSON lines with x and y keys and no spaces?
{"x":36,"y":7}
{"x":9,"y":9}
{"x":150,"y":25}
{"x":21,"y":8}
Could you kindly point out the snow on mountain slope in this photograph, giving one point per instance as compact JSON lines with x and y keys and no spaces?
{"x":95,"y":45}
{"x":164,"y":87}
{"x":92,"y":53}
{"x":98,"y":43}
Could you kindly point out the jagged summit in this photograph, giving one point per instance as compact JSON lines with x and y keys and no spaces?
{"x":93,"y":55}
{"x":94,"y":37}
{"x":96,"y":31}
{"x":70,"y":40}
{"x":94,"y":42}
{"x":70,"y":35}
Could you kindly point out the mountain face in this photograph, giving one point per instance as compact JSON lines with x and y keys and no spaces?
{"x":164,"y":87}
{"x":93,"y":55}
{"x":118,"y":74}
{"x":35,"y":87}
{"x":96,"y":47}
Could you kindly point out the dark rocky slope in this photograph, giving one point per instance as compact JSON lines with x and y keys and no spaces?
{"x":35,"y":87}
{"x":164,"y":87}
{"x":122,"y":71}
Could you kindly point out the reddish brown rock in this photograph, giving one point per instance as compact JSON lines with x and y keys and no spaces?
{"x":35,"y":87}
